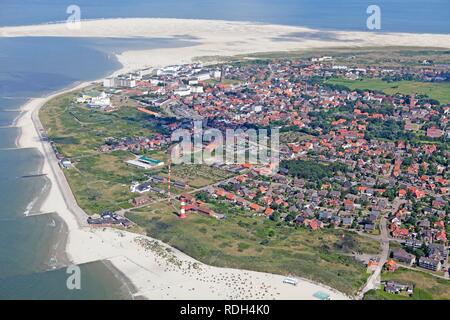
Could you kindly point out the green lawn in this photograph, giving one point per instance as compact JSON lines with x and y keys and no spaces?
{"x":99,"y":181}
{"x":255,"y":243}
{"x":426,"y":287}
{"x":438,"y":91}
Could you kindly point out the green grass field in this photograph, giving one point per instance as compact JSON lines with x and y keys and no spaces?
{"x":438,"y":91}
{"x":100,"y":181}
{"x":255,"y":243}
{"x":426,"y":287}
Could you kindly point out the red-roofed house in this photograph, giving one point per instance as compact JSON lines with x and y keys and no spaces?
{"x":268,"y":212}
{"x":433,"y":132}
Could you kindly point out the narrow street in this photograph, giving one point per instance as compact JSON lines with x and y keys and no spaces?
{"x":374,"y":280}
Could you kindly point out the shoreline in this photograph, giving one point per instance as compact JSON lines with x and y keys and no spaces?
{"x":325,"y":29}
{"x":148,"y":263}
{"x":151,"y":275}
{"x":218,"y":38}
{"x":146,"y":271}
{"x":18,"y":30}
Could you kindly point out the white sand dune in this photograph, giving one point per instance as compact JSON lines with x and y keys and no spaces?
{"x":173,"y":275}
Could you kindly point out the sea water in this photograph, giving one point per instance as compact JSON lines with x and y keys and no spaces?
{"x":32,"y":256}
{"x":416,"y":16}
{"x":32,"y":259}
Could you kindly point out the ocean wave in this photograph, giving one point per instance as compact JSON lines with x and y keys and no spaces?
{"x":30,"y":206}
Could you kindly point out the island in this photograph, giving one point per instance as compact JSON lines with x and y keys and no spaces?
{"x":358,"y":206}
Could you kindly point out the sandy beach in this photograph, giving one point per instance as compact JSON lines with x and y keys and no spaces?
{"x":156,"y":270}
{"x":220,"y":38}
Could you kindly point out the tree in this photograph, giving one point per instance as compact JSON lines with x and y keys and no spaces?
{"x":275,"y":216}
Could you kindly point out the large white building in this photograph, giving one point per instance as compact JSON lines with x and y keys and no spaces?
{"x":197,"y":89}
{"x":202,"y":76}
{"x":183,"y":91}
{"x":119,"y":82}
{"x":101,"y":101}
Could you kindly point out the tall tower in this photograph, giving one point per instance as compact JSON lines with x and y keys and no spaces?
{"x":182,"y":209}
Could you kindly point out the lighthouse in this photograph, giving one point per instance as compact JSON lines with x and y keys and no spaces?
{"x":182,"y":209}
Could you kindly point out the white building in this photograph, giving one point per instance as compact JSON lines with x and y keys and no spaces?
{"x":217,"y":74}
{"x":202,"y":76}
{"x":197,"y":89}
{"x":340,"y":67}
{"x":127,"y":83}
{"x":257,"y":108}
{"x":119,"y":82}
{"x":183,"y":91}
{"x":109,"y":83}
{"x":321,"y":59}
{"x":101,"y":100}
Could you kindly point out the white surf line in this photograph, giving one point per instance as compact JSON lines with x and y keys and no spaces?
{"x":13,"y":148}
{"x":39,"y":213}
{"x":65,"y":265}
{"x":19,"y":98}
{"x":30,"y":206}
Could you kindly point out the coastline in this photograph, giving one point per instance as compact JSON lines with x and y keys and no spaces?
{"x":148,"y":264}
{"x":214,"y":38}
{"x":151,"y":275}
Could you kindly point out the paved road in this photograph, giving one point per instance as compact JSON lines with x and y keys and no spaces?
{"x":173,"y":196}
{"x":60,"y":178}
{"x":374,"y":280}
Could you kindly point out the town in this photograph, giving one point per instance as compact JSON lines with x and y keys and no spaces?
{"x":360,"y":160}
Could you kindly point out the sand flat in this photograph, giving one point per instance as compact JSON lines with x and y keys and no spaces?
{"x":221,"y":38}
{"x":157,"y":271}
